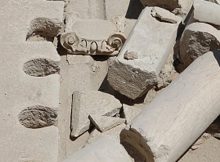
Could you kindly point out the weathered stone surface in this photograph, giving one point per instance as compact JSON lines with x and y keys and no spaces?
{"x":130,"y":112}
{"x":94,"y":29}
{"x":37,"y":117}
{"x":133,"y":78}
{"x":86,"y":9}
{"x":161,"y":132}
{"x":105,"y":149}
{"x":197,"y":39}
{"x":104,"y":123}
{"x":17,"y":15}
{"x":91,"y":103}
{"x":207,"y":12}
{"x":45,"y":28}
{"x":208,"y":151}
{"x":41,"y":67}
{"x":91,"y":78}
{"x":115,"y":132}
{"x":20,"y":91}
{"x":115,"y":8}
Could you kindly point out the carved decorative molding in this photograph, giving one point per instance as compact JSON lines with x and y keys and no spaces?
{"x":80,"y":46}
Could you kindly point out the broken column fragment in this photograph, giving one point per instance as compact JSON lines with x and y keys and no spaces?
{"x":207,"y":12}
{"x":91,"y":103}
{"x":197,"y":39}
{"x":105,"y":149}
{"x":171,"y":123}
{"x":152,"y":40}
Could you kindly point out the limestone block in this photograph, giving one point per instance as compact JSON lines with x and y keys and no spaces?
{"x":93,"y":29}
{"x":116,"y":8}
{"x":197,"y":39}
{"x":153,"y":39}
{"x":183,"y":5}
{"x":207,"y":12}
{"x":86,"y":9}
{"x":91,"y":103}
{"x":90,"y":78}
{"x":104,"y":123}
{"x":105,"y":149}
{"x":130,"y":112}
{"x":27,"y":131}
{"x":161,"y":132}
{"x":17,"y":15}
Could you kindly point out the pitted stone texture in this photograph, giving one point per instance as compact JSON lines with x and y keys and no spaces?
{"x":19,"y":91}
{"x":91,"y":103}
{"x":41,"y":67}
{"x":207,"y":12}
{"x":105,"y":149}
{"x":44,"y":28}
{"x":16,"y":17}
{"x":133,"y":78}
{"x":86,"y":9}
{"x":197,"y":39}
{"x":38,"y":117}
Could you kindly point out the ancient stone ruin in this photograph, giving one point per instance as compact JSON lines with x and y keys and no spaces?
{"x":110,"y":81}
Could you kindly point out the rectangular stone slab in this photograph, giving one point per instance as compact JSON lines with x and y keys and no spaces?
{"x":105,"y":149}
{"x":16,"y":16}
{"x":19,"y":91}
{"x":151,"y":41}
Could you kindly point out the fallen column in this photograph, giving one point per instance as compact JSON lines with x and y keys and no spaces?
{"x":208,"y":12}
{"x":105,"y":149}
{"x":145,"y":52}
{"x":179,"y":114}
{"x":197,"y":39}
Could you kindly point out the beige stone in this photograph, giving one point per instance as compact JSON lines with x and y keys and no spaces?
{"x":105,"y":149}
{"x":17,"y":15}
{"x":91,"y":103}
{"x":104,"y":123}
{"x":25,"y":131}
{"x":115,"y":132}
{"x":183,"y":5}
{"x":116,"y":8}
{"x":133,"y":78}
{"x":197,"y":39}
{"x":207,"y":12}
{"x":130,"y":112}
{"x":161,"y":132}
{"x":208,"y":151}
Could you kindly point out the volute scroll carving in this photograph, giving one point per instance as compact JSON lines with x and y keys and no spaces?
{"x":81,"y":46}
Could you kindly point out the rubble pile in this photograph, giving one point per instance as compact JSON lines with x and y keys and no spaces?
{"x":110,"y":80}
